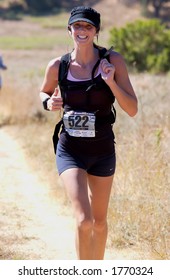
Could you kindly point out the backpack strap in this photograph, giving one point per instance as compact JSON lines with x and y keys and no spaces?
{"x":63,"y":67}
{"x":103,"y":53}
{"x":62,"y":72}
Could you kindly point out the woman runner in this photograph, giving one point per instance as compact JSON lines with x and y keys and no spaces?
{"x":85,"y":153}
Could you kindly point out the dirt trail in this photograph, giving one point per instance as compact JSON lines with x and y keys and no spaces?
{"x":34,"y":226}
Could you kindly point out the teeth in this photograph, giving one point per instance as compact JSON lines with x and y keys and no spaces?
{"x":82,"y":37}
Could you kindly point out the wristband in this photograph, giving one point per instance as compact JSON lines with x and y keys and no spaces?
{"x":45,"y":104}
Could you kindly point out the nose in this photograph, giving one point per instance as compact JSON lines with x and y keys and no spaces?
{"x":82,"y":27}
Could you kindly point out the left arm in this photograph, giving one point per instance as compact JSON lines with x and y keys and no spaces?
{"x":116,"y":77}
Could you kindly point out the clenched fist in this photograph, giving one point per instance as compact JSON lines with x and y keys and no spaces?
{"x":107,"y":71}
{"x":55,"y":102}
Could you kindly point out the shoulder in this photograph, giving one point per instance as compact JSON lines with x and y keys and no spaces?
{"x":116,"y":57}
{"x":118,"y":61}
{"x":52,"y":68}
{"x":54,"y":63}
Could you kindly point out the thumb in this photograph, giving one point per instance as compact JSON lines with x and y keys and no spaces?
{"x":55,"y":92}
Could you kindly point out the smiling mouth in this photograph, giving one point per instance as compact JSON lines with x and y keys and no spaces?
{"x":81,"y":37}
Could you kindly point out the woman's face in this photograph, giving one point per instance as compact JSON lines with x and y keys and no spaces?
{"x":82,"y":32}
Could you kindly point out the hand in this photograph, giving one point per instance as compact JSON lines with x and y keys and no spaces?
{"x":107,"y":71}
{"x":55,"y":102}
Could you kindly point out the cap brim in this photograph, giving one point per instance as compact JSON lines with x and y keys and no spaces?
{"x":81,"y":19}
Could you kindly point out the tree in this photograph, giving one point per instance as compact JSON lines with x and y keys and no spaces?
{"x":157,"y":4}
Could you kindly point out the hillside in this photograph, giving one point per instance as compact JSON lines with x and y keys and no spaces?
{"x":116,"y":12}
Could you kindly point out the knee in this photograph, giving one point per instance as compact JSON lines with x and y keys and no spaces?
{"x":100,"y":225}
{"x":85,"y":225}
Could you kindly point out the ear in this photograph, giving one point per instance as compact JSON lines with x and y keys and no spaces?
{"x":69,"y":30}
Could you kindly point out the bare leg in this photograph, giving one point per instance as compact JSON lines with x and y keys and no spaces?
{"x":100,"y":193}
{"x":75,"y":181}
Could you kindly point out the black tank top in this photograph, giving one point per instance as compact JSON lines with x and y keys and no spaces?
{"x":89,"y":96}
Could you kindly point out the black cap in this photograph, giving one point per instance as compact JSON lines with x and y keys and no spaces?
{"x":87,"y":14}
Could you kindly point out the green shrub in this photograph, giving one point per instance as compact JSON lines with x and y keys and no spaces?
{"x":145,"y":45}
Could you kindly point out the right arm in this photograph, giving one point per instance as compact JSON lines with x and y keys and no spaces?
{"x":49,"y":90}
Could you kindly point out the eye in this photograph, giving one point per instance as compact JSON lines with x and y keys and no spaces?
{"x":89,"y":27}
{"x":76,"y":25}
{"x":85,"y":26}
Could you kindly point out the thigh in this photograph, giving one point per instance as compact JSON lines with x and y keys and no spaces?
{"x":66,"y":160}
{"x":75,"y":182}
{"x":100,"y":189}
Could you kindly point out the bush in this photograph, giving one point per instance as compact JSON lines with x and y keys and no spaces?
{"x":145,"y":45}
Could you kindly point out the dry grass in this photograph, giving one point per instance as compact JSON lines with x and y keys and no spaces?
{"x":139,"y":206}
{"x":140,"y":200}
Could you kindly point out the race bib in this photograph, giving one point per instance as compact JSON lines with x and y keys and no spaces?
{"x":79,"y":124}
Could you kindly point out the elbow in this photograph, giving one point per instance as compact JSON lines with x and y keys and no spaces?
{"x":132,"y":113}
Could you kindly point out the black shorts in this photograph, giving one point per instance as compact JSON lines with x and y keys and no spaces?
{"x":103,"y":165}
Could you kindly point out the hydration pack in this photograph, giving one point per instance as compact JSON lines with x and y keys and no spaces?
{"x":62,"y":75}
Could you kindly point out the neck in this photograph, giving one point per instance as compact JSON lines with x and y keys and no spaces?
{"x":85,"y":56}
